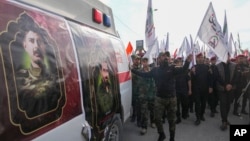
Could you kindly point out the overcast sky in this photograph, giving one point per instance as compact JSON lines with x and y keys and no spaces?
{"x":179,"y":17}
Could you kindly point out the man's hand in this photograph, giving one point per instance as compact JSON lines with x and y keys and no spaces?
{"x":193,"y":70}
{"x":244,"y":90}
{"x":130,"y":67}
{"x":229,"y":87}
{"x":210,"y":90}
{"x":189,"y":92}
{"x":189,"y":58}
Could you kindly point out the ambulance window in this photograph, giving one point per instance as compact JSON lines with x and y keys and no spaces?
{"x":98,"y":68}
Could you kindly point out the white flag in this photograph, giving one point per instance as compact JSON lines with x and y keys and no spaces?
{"x":192,"y":52}
{"x":180,"y":50}
{"x":203,"y":50}
{"x":210,"y":53}
{"x":150,"y":28}
{"x":167,"y":43}
{"x":164,"y":43}
{"x":191,"y":42}
{"x":237,"y":49}
{"x":225,"y":29}
{"x":184,"y":50}
{"x":196,"y":48}
{"x":189,"y":48}
{"x":210,"y":33}
{"x":152,"y":53}
{"x":231,"y":46}
{"x":193,"y":61}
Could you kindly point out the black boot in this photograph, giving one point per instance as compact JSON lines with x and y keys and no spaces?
{"x":212,"y":114}
{"x":163,"y":120}
{"x":132,"y":119}
{"x":197,"y":122}
{"x":162,"y":136}
{"x":191,"y":110}
{"x":178,"y":120}
{"x":236,"y":113}
{"x":172,"y":134}
{"x":244,"y":112}
{"x":202,"y":118}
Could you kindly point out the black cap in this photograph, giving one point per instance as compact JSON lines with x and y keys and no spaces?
{"x":134,"y":56}
{"x":167,"y":53}
{"x":144,"y":59}
{"x":164,"y":53}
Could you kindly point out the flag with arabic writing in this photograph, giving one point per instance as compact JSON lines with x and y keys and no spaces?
{"x":211,"y":34}
{"x":150,"y":28}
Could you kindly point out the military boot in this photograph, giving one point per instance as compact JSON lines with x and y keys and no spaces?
{"x":197,"y":122}
{"x":162,"y":136}
{"x":172,"y":134}
{"x":143,"y":131}
{"x":178,"y":120}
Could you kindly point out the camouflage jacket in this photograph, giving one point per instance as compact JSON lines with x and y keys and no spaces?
{"x":146,"y":87}
{"x":135,"y":85}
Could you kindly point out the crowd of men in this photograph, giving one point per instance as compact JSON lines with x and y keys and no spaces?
{"x":175,"y":88}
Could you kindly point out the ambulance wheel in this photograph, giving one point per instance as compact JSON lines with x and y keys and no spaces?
{"x":115,"y":129}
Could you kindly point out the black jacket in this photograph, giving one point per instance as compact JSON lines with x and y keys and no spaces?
{"x":164,"y":78}
{"x":220,"y":76}
{"x":202,"y":78}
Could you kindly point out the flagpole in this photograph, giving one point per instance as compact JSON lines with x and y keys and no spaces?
{"x":243,"y":92}
{"x":239,"y":41}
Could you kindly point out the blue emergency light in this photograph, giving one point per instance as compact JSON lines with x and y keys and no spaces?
{"x":106,"y":20}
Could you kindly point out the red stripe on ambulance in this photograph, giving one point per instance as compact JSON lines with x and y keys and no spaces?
{"x":124,"y":76}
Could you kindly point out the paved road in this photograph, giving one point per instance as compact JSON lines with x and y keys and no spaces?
{"x":208,"y":130}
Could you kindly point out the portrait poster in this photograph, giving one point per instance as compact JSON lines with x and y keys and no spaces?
{"x":99,"y":74}
{"x":38,"y":72}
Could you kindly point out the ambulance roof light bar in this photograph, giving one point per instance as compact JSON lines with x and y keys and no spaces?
{"x":100,"y":17}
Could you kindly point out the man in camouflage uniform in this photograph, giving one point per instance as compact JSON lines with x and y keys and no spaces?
{"x":105,"y":98}
{"x":164,"y":77}
{"x":135,"y":90}
{"x":38,"y":89}
{"x":146,"y":97}
{"x":38,"y":93}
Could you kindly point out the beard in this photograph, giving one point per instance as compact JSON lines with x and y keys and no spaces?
{"x":40,"y":63}
{"x":164,"y":63}
{"x":105,"y":85}
{"x":105,"y":82}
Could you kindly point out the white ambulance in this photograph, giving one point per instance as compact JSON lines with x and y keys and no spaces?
{"x":64,"y":73}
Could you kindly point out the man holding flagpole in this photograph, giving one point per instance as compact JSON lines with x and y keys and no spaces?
{"x":225,"y":73}
{"x":164,"y":77}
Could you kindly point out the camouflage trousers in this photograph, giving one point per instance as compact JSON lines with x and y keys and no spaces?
{"x":170,"y":105}
{"x":147,"y":110}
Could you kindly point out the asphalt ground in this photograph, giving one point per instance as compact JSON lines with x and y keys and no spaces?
{"x":208,"y":130}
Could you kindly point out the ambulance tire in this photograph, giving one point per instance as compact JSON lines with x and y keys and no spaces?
{"x":115,"y":129}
